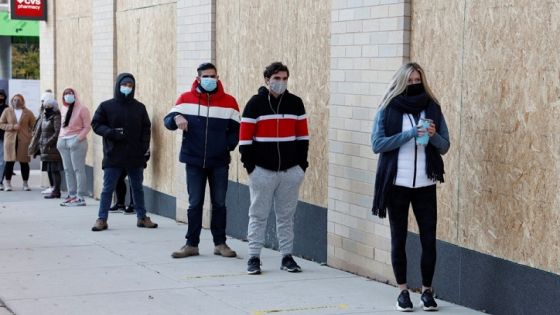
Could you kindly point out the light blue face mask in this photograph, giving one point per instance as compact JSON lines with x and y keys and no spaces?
{"x":126,"y":90}
{"x":209,"y":84}
{"x":69,"y":98}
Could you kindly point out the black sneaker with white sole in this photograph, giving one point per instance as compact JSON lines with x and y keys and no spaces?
{"x":427,"y":301}
{"x":404,"y":304}
{"x":129,"y":210}
{"x":254,"y":266}
{"x":289,"y":264}
{"x":117,"y":208}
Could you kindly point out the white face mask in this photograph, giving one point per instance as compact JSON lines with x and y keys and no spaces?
{"x":278,"y":86}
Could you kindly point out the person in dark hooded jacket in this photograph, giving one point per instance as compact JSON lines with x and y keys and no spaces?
{"x":124,"y":124}
{"x":208,"y":118}
{"x":3,"y":106}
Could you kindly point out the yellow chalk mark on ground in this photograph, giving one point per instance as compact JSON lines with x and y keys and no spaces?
{"x":213,"y":276}
{"x":299,"y":309}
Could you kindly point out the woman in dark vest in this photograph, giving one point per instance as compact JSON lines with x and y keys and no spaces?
{"x":411,"y":135}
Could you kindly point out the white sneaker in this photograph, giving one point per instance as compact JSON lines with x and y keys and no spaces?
{"x":47,"y":191}
{"x":8,"y":187}
{"x":26,"y":187}
{"x":1,"y":187}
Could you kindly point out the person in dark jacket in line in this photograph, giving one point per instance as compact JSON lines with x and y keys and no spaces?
{"x":47,"y":95}
{"x":43,"y":143}
{"x":410,"y":134}
{"x":209,"y":121}
{"x":124,"y":124}
{"x":120,"y":193}
{"x":3,"y":106}
{"x":274,"y":141}
{"x":120,"y":196}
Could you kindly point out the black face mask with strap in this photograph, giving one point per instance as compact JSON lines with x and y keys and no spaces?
{"x":415,"y":89}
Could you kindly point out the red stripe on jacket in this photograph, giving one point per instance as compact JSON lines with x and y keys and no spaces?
{"x":276,"y":128}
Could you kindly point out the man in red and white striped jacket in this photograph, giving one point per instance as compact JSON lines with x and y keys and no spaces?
{"x":208,"y":118}
{"x":273,"y":142}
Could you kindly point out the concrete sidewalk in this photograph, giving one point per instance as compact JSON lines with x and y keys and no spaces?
{"x":51,"y":263}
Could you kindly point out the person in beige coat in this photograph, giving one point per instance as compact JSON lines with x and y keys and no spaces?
{"x":17,"y":121}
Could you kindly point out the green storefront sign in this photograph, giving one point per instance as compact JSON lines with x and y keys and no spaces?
{"x":9,"y":27}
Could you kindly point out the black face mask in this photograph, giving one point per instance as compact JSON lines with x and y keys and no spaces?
{"x":49,"y":110}
{"x":415,"y":89}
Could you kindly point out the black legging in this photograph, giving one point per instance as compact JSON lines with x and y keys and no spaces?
{"x":55,"y":179}
{"x":424,"y":205}
{"x":120,"y":190}
{"x":9,"y":170}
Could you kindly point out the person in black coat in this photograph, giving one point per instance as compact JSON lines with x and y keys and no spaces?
{"x":124,"y":124}
{"x":120,"y":192}
{"x":3,"y":106}
{"x":120,"y":196}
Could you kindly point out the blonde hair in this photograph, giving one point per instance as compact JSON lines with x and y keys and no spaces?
{"x":399,"y":82}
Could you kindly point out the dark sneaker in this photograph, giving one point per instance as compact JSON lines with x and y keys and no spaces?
{"x":404,"y":304}
{"x":100,"y":225}
{"x":117,"y":208}
{"x":224,"y":250}
{"x":427,"y":301}
{"x":254,"y":266}
{"x":129,"y":210}
{"x":146,"y":222}
{"x":52,"y":195}
{"x":185,"y":251}
{"x":289,"y":264}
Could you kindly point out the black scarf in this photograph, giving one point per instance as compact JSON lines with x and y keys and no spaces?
{"x":68,"y":115}
{"x":387,"y":163}
{"x":49,"y":112}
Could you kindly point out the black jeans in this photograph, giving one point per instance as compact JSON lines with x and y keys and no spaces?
{"x":424,"y":205}
{"x":120,"y":190}
{"x":55,"y":179}
{"x":217,"y":178}
{"x":9,"y":170}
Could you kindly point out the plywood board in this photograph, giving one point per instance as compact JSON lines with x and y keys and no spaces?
{"x":252,"y":34}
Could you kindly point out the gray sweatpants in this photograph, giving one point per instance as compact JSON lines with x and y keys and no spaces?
{"x":278,"y":189}
{"x":73,"y":153}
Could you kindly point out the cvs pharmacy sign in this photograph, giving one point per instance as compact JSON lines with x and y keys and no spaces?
{"x":29,"y":9}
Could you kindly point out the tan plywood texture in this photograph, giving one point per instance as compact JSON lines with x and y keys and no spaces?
{"x":74,"y":53}
{"x":146,"y":48}
{"x":252,"y":34}
{"x":495,"y":66}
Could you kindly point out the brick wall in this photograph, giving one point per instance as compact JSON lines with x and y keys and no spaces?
{"x":47,"y":49}
{"x":369,"y":41}
{"x":104,"y":72}
{"x":196,"y":20}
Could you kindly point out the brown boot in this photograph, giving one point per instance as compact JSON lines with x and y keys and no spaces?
{"x":146,"y":223}
{"x":224,"y":250}
{"x":100,"y":225}
{"x":185,"y":251}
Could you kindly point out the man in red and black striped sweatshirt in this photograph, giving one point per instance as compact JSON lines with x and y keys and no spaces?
{"x":273,"y":143}
{"x":209,"y":121}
